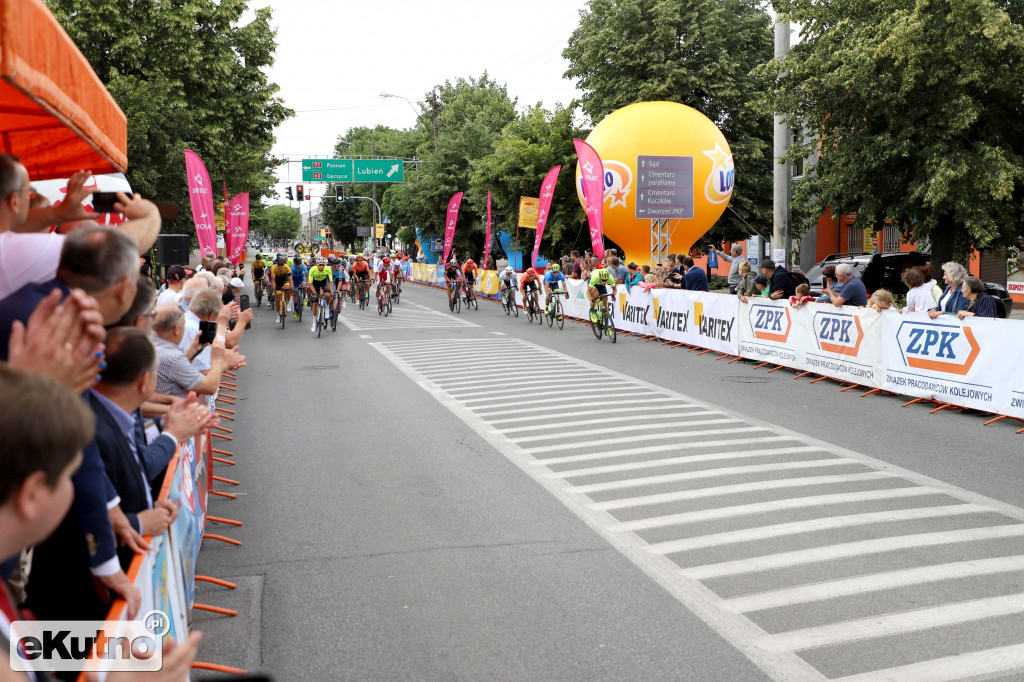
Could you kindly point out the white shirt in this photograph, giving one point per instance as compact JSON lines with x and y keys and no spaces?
{"x":204,"y":360}
{"x":920,"y":299}
{"x":167,"y":296}
{"x":27,"y":258}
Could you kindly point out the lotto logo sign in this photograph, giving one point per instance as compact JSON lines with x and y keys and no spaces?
{"x":770,"y":323}
{"x":839,"y":333}
{"x":938,"y":347}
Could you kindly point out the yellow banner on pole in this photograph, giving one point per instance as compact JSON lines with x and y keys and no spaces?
{"x":380,"y":231}
{"x":528,"y":207}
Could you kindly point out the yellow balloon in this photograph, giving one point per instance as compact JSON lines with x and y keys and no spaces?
{"x":692,"y":188}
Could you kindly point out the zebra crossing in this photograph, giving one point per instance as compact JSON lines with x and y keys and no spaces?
{"x":407,"y":315}
{"x":817,"y":562}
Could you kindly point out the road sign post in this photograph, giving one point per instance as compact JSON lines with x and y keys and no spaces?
{"x":665,"y":187}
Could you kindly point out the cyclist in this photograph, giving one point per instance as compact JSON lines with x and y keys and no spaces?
{"x":341,"y":282}
{"x":281,"y":275}
{"x":452,"y":274}
{"x":396,"y":275}
{"x":554,"y":284}
{"x":261,"y":271}
{"x":469,"y":274}
{"x":300,"y":281}
{"x":529,"y":282}
{"x":361,"y":274}
{"x":507,"y":280}
{"x":602,"y":283}
{"x":384,"y":278}
{"x":320,"y":278}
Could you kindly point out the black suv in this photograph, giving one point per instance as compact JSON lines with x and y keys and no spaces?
{"x":883,"y":271}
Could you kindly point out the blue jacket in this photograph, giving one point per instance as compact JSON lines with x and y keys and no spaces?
{"x":696,"y":279}
{"x":984,"y":306}
{"x":956,"y":302}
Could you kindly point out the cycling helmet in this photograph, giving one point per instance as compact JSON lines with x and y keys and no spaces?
{"x":469,"y":261}
{"x":509,"y":269}
{"x":531,"y":271}
{"x":556,"y":268}
{"x":387,"y":261}
{"x":360,"y":257}
{"x":281,"y":259}
{"x":321,"y":260}
{"x":259,"y":256}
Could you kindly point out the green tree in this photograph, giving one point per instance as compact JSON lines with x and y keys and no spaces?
{"x":912,"y":109}
{"x":341,"y":216}
{"x":187,"y":74}
{"x":470,"y":116}
{"x":697,"y":52}
{"x":282,"y":222}
{"x":527,"y":149}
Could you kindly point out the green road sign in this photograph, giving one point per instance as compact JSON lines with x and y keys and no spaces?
{"x":353,"y":170}
{"x":327,"y":170}
{"x":379,"y":170}
{"x":319,"y":239}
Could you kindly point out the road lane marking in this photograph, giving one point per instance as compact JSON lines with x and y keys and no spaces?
{"x":815,"y":525}
{"x":575,"y":409}
{"x":852,"y":549}
{"x":625,"y":428}
{"x":646,"y":408}
{"x":972,"y":665}
{"x":877,"y":582}
{"x":727,"y":442}
{"x":774,"y":505}
{"x":897,"y":623}
{"x":604,"y":442}
{"x":689,"y":459}
{"x":674,"y":412}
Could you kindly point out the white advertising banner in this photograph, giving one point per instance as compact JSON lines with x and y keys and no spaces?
{"x":844,"y":343}
{"x":969,"y":362}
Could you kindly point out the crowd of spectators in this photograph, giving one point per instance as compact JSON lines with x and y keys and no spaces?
{"x":102,"y":379}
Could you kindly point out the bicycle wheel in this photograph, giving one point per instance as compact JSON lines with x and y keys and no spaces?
{"x":505,"y":305}
{"x":334,"y":320}
{"x":458,"y":302}
{"x":259,"y":294}
{"x":388,"y":311}
{"x":528,"y":304}
{"x":540,"y":311}
{"x":609,"y":322}
{"x":512,"y":302}
{"x":380,"y":304}
{"x":282,"y":310}
{"x":398,"y":295}
{"x":551,"y":315}
{"x":321,"y":322}
{"x":476,"y":303}
{"x":598,"y":327}
{"x":559,"y":319}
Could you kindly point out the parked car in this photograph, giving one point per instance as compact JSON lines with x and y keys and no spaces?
{"x":884,"y":270}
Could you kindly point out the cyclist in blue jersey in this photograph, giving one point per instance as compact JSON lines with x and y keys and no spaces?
{"x":300,"y":277}
{"x":554,"y":284}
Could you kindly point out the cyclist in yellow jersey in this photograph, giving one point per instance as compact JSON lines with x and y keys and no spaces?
{"x":602,"y":283}
{"x":281,"y":277}
{"x":320,"y":278}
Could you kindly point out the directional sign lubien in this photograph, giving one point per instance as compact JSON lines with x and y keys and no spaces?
{"x":379,"y":170}
{"x":327,"y":170}
{"x":665,"y":187}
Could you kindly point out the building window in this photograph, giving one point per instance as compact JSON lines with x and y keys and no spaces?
{"x":890,"y":239}
{"x":855,"y":239}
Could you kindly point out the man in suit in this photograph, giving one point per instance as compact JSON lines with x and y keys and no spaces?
{"x":132,"y":465}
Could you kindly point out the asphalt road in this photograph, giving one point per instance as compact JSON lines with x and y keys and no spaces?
{"x":466,"y":497}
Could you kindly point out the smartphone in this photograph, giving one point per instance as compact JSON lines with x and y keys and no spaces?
{"x":243,"y":304}
{"x":103,"y":202}
{"x":824,"y":283}
{"x":207,"y":332}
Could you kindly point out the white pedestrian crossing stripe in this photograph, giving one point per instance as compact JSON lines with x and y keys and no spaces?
{"x":401,"y":317}
{"x":766,"y":534}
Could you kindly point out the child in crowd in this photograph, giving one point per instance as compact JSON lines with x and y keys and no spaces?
{"x":882,"y":300}
{"x":746,"y":285}
{"x":803,"y":295}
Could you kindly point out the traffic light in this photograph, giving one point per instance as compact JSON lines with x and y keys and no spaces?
{"x":299,"y":193}
{"x":307,"y":197}
{"x":339,"y":192}
{"x":288,"y":193}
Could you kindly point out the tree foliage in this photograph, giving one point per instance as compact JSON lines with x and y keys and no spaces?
{"x":912,"y":108}
{"x":188,"y":75}
{"x":526,"y":150}
{"x":282,"y":222}
{"x":697,"y":52}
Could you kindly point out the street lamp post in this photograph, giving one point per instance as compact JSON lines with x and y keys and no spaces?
{"x":386,"y":95}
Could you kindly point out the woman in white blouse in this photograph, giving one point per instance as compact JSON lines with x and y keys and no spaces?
{"x":919,"y":296}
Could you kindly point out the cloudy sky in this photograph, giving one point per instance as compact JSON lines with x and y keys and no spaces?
{"x":334,"y":58}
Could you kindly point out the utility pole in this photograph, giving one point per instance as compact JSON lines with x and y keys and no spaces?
{"x":782,"y":176}
{"x":435,"y":108}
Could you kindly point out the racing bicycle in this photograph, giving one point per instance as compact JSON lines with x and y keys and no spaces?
{"x":533,"y":307}
{"x":384,"y":299}
{"x":470,"y":296}
{"x":605,"y":312}
{"x":554,"y":309}
{"x":454,"y":299}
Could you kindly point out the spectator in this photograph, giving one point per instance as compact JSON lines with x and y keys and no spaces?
{"x":101,"y":261}
{"x":829,"y":275}
{"x":854,"y":293}
{"x":882,"y":300}
{"x":760,"y":288}
{"x":780,"y":283}
{"x":175,"y":283}
{"x":176,"y":376}
{"x":745,"y":287}
{"x":936,"y":290}
{"x":645,"y":270}
{"x":734,"y":270}
{"x":952,"y":299}
{"x":586,"y":268}
{"x":801,"y":295}
{"x":980,"y":304}
{"x":139,"y":314}
{"x":633,"y":277}
{"x":919,"y":294}
{"x":619,"y":272}
{"x":234,"y":288}
{"x":191,"y":288}
{"x":695,"y":279}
